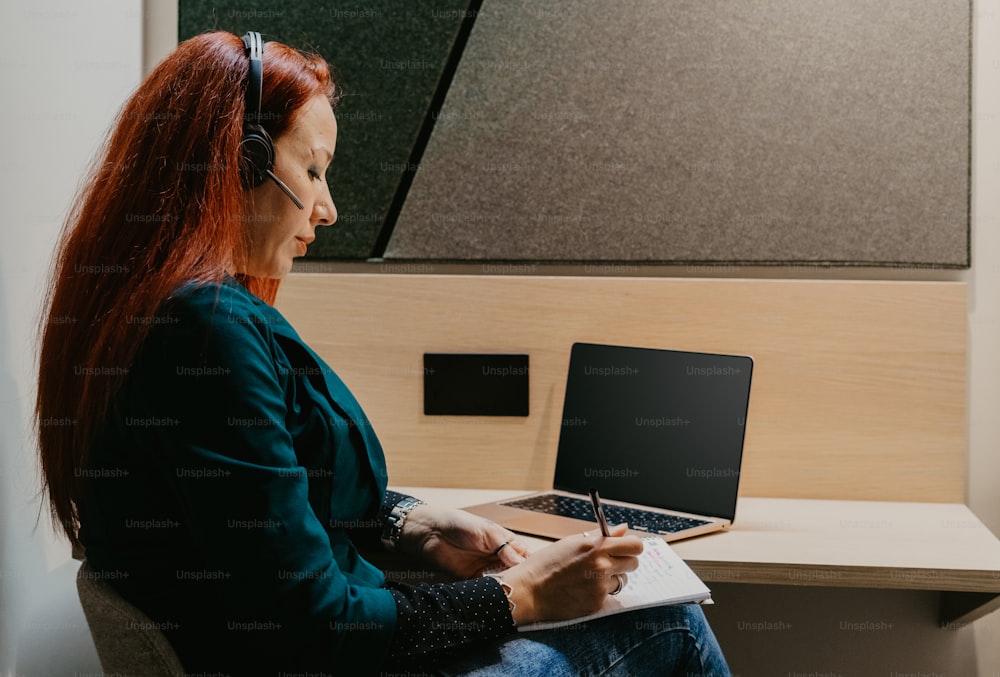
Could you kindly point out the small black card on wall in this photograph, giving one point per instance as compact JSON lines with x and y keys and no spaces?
{"x":466,"y":384}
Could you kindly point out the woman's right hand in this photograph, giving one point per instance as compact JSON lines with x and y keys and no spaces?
{"x":572,"y":577}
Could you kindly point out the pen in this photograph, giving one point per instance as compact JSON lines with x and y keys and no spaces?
{"x":595,"y":498}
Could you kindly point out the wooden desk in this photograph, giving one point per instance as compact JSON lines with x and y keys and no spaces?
{"x":851,"y":544}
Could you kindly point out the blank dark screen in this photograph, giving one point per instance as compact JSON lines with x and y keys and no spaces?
{"x":656,"y":427}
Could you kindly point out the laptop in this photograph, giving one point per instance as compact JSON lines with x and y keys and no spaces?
{"x":659,"y":433}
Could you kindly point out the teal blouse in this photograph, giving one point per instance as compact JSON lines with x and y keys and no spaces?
{"x":222,"y":495}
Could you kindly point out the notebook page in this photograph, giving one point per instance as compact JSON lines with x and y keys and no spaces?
{"x":662,"y":578}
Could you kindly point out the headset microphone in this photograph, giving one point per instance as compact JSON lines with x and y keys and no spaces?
{"x":285,"y":189}
{"x":256,"y":148}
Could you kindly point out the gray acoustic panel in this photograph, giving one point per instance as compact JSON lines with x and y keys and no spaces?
{"x":719,"y":131}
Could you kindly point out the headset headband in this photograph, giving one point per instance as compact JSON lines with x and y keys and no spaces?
{"x":255,"y":80}
{"x":257,"y":149}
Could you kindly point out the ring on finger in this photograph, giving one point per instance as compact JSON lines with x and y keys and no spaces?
{"x":621,"y":584}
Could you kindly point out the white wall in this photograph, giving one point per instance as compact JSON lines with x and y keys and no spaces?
{"x":984,"y":306}
{"x":64,"y":71}
{"x":984,"y":278}
{"x":65,"y":68}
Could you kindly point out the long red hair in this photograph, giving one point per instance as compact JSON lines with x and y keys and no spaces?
{"x":163,"y":204}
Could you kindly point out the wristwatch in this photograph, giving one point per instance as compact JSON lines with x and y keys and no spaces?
{"x":394,"y":521}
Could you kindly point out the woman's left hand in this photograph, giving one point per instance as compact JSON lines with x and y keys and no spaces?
{"x":461,"y":543}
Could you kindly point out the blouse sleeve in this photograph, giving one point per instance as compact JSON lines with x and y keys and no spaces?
{"x":434,"y":618}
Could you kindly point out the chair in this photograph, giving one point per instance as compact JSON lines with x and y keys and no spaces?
{"x":127,"y":640}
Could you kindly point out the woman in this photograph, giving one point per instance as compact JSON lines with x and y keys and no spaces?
{"x":218,"y":473}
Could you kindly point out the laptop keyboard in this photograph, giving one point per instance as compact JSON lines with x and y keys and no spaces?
{"x":582,"y":509}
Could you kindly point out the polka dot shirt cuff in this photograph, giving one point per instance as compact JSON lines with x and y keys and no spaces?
{"x":430,"y":618}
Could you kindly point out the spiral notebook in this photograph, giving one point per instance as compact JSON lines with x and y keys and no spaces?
{"x":662,"y":578}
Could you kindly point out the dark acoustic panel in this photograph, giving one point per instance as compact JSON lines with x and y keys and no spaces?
{"x":717,"y":131}
{"x":389,"y":57}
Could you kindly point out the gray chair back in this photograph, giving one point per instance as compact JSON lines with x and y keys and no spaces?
{"x":127,"y":640}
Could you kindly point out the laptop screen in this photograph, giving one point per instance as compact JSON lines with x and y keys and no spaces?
{"x":661,"y":428}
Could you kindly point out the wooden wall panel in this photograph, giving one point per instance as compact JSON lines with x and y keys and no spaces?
{"x":859,"y":387}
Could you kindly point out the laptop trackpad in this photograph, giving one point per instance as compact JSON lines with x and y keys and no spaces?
{"x":551,"y":526}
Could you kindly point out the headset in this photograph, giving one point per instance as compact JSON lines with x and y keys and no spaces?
{"x":256,"y":148}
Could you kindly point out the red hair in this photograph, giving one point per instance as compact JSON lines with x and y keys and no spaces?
{"x":164,"y":204}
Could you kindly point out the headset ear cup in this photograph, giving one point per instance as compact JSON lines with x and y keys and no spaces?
{"x":256,"y":155}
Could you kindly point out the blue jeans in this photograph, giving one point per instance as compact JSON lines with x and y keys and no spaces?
{"x":662,"y":641}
